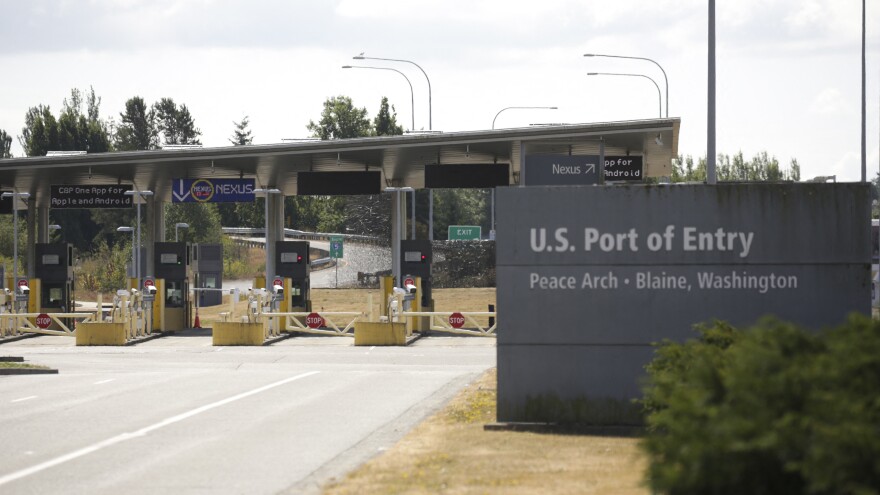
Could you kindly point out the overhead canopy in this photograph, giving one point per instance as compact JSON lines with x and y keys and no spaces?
{"x":400,"y":160}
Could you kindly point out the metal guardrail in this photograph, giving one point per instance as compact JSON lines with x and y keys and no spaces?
{"x":299,"y":234}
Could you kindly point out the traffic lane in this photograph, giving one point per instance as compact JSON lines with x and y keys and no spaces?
{"x":274,"y":438}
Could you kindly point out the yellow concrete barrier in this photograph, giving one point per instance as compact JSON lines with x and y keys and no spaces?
{"x":377,"y":333}
{"x":100,"y":334}
{"x":237,"y":333}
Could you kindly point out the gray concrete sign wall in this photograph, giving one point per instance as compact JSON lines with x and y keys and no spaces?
{"x":590,"y":277}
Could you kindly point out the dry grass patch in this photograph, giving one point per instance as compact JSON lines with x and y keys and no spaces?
{"x":452,"y":453}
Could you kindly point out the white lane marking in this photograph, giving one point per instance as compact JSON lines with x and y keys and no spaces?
{"x":143,"y":431}
{"x":371,"y":348}
{"x":104,"y":381}
{"x":24,"y":399}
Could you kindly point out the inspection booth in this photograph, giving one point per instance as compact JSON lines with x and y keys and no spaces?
{"x":53,"y":286}
{"x":171,"y":309}
{"x":293,"y":266}
{"x":207,"y":269}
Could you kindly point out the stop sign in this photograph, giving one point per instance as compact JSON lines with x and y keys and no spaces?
{"x":456,"y":320}
{"x":277,"y":281}
{"x":43,"y":321}
{"x":22,"y":282}
{"x":314,"y":320}
{"x":409,"y":281}
{"x":149,"y":283}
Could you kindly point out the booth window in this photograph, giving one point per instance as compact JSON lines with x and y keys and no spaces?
{"x":173,"y":294}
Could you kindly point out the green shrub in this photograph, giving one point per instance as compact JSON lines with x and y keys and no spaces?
{"x":773,"y":409}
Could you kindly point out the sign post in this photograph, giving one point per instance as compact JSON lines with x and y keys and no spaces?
{"x":336,"y":245}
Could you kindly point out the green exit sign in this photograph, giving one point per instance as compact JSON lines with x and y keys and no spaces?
{"x":465,"y":232}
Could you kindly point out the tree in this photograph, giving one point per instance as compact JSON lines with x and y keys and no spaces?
{"x":5,"y":145}
{"x":176,"y":123}
{"x":203,"y":220}
{"x":762,"y":167}
{"x":40,"y":131}
{"x":341,"y":120}
{"x":385,"y":123}
{"x":242,"y":135}
{"x":137,"y":130}
{"x":72,"y":131}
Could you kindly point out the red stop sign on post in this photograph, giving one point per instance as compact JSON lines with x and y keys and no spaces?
{"x":43,"y":321}
{"x":314,"y":320}
{"x":277,"y":281}
{"x":22,"y":282}
{"x":149,"y":283}
{"x":408,"y":281}
{"x":456,"y":320}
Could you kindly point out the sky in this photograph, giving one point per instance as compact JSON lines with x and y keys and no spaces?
{"x":788,"y":71}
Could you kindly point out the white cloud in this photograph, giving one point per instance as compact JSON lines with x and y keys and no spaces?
{"x":830,"y":102}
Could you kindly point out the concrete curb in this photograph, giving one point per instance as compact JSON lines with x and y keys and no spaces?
{"x":18,"y":337}
{"x":11,"y":359}
{"x":27,"y":371}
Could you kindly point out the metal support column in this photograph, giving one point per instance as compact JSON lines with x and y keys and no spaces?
{"x":395,"y":236}
{"x":31,"y":235}
{"x":43,"y":224}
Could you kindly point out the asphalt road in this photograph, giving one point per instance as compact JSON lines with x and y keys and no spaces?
{"x":176,"y":415}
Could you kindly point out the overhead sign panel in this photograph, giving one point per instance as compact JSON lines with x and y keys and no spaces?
{"x":338,"y":183}
{"x":561,"y":170}
{"x":94,"y":196}
{"x":623,"y":168}
{"x":470,"y":175}
{"x":212,"y":191}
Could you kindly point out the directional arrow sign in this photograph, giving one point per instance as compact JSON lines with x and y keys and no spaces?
{"x":179,"y":193}
{"x":561,"y":170}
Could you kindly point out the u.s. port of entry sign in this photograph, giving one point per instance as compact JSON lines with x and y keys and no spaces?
{"x":589,"y":278}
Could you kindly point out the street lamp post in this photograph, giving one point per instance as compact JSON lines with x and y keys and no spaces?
{"x":15,"y":197}
{"x":129,"y":229}
{"x":665,"y":79}
{"x":270,"y":268}
{"x":362,"y":57}
{"x":179,"y":225}
{"x":520,"y":108}
{"x":138,"y":197}
{"x":411,"y":94}
{"x":659,"y":97}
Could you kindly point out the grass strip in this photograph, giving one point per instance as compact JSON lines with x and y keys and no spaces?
{"x":452,"y":453}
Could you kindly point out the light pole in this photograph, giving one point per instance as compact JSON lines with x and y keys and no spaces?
{"x":269,"y":261}
{"x":659,"y":96}
{"x":129,"y":229}
{"x":179,"y":225}
{"x":362,"y":57}
{"x":665,"y":79}
{"x":411,"y":94}
{"x":138,"y":197}
{"x":520,"y":108}
{"x":15,"y":197}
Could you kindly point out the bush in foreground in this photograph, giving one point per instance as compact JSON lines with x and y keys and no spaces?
{"x":774,"y":409}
